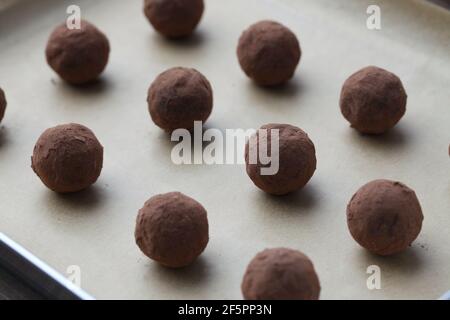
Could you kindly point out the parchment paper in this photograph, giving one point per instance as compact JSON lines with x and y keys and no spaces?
{"x":94,"y":229}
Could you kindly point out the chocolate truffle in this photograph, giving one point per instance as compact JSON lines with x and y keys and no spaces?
{"x":280,"y":274}
{"x":172,"y":229}
{"x":269,"y":53}
{"x":174,"y":18}
{"x":67,"y":158}
{"x":78,"y":55}
{"x":296,"y":158}
{"x":373,"y":100}
{"x":2,"y":104}
{"x":178,"y":97}
{"x":384,"y":217}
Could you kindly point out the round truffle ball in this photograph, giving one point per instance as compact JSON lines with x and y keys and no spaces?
{"x":67,"y":158}
{"x":296,"y":159}
{"x":373,"y":100}
{"x":384,"y":217}
{"x":78,"y":56}
{"x":172,"y":229}
{"x":280,"y":274}
{"x":178,"y":97}
{"x":174,"y":18}
{"x":2,"y":104}
{"x":269,"y":53}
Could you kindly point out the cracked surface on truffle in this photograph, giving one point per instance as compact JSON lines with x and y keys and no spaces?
{"x":178,"y":97}
{"x":280,"y":274}
{"x":67,"y":158}
{"x":79,"y":55}
{"x":373,"y":100}
{"x":174,"y":18}
{"x":269,"y":53}
{"x":2,"y":104}
{"x":297,"y":160}
{"x":172,"y":229}
{"x":384,"y":217}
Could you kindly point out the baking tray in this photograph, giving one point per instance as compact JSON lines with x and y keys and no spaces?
{"x":23,"y":276}
{"x":93,"y":230}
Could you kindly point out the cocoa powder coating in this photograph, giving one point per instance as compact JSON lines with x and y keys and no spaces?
{"x":297,"y":160}
{"x":178,"y":97}
{"x":280,"y":274}
{"x":67,"y":158}
{"x":172,"y":229}
{"x":2,"y":104}
{"x":269,"y":53}
{"x":384,"y":217}
{"x":78,"y":55}
{"x":373,"y":100}
{"x":174,"y":18}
